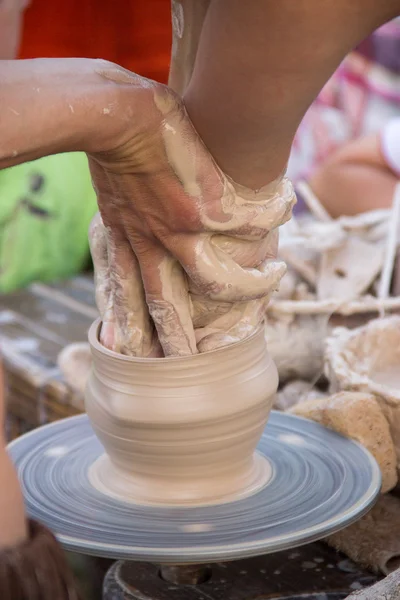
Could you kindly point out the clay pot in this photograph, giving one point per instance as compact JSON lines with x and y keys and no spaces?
{"x":181,"y":430}
{"x":367,"y":359}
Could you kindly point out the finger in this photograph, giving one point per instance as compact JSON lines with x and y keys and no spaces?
{"x":242,"y":320}
{"x":218,"y":276}
{"x":168,"y":301}
{"x":249,"y":253}
{"x":127,"y":326}
{"x":251,"y":214}
{"x":102,"y":280}
{"x":98,"y":250}
{"x":98,"y":238}
{"x":134,"y":332}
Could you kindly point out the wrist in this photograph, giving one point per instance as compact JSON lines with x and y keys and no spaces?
{"x":99,"y":120}
{"x":109,"y":100}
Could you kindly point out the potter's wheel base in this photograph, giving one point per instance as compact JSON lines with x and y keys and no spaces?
{"x":321,"y":482}
{"x":314,"y":572}
{"x":138,"y":489}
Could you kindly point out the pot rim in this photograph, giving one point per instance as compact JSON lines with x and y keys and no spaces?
{"x":94,"y":342}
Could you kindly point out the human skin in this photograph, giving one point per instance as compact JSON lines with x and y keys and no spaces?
{"x":248,"y":127}
{"x":203,"y":31}
{"x":13,"y":526}
{"x":355,"y":178}
{"x":11,"y":12}
{"x":259,"y":125}
{"x":259,"y":65}
{"x":187,"y":23}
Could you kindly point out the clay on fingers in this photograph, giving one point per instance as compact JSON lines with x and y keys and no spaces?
{"x":205,"y":248}
{"x":126,"y":324}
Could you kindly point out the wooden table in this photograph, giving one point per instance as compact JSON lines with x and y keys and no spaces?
{"x":35,"y":325}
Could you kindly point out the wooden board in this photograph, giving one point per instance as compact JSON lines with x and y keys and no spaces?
{"x":35,"y":325}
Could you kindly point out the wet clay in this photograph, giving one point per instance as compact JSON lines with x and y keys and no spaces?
{"x":206,"y":281}
{"x":367,"y":359}
{"x":181,"y":431}
{"x":388,"y":376}
{"x":74,"y":362}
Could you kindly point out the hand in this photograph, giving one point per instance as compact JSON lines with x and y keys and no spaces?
{"x":182,"y":246}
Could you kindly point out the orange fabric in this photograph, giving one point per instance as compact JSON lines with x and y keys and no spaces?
{"x":133,"y":33}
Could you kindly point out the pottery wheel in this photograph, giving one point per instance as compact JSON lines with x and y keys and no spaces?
{"x":320,"y":483}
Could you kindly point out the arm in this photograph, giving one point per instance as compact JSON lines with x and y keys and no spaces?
{"x":259,"y":65}
{"x":49,"y":106}
{"x":187,"y":22}
{"x":355,"y":179}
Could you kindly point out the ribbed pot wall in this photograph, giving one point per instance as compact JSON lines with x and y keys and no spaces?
{"x":180,"y":430}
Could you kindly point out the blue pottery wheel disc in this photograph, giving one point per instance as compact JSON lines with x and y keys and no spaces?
{"x":321,"y":482}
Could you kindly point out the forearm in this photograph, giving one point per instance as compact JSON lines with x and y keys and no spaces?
{"x":187,"y":22}
{"x":259,"y":65}
{"x":50,"y":106}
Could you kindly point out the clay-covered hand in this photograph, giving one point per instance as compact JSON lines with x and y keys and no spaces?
{"x":182,"y":246}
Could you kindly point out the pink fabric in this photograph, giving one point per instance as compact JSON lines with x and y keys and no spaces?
{"x":360,"y":98}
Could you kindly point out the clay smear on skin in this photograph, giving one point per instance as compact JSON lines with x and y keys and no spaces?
{"x":212,"y":264}
{"x":174,"y":310}
{"x":177,"y":19}
{"x":127,"y":327}
{"x":217,"y":274}
{"x":270,"y":206}
{"x":120,"y":75}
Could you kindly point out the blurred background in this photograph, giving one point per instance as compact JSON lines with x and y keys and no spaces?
{"x":133,"y":33}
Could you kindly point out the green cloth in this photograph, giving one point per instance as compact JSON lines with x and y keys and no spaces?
{"x":45,"y":210}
